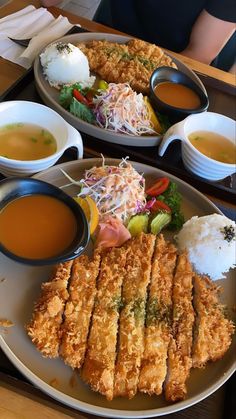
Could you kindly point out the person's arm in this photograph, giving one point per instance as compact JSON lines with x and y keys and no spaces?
{"x":208,"y":37}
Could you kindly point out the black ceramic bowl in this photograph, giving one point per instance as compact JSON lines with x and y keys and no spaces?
{"x":169,"y":74}
{"x":13,"y":188}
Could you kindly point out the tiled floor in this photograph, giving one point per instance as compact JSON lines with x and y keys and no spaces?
{"x":85,"y":8}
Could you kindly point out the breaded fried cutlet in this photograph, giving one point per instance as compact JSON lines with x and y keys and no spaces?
{"x":99,"y":365}
{"x":158,"y":319}
{"x":179,"y":352}
{"x":213,"y":330}
{"x":78,"y":310}
{"x":45,"y":327}
{"x":132,"y":317}
{"x":131,"y":63}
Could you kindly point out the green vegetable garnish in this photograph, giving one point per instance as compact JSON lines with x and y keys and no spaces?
{"x":138,"y":224}
{"x":173,"y":199}
{"x":82,"y":111}
{"x":161,"y":220}
{"x":66,"y":94}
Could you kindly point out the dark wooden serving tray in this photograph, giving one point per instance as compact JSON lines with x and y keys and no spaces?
{"x":222,"y":100}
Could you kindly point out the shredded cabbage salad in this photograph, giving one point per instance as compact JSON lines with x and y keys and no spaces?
{"x":117,"y":190}
{"x":120,"y":109}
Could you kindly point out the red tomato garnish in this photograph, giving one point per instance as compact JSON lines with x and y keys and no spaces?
{"x":160,"y":206}
{"x":90,"y":96}
{"x":159,"y":187}
{"x":80,"y":97}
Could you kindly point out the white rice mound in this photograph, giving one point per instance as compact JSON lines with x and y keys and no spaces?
{"x":65,"y":64}
{"x":204,"y":239}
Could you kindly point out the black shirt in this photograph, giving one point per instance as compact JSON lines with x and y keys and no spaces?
{"x":167,"y":23}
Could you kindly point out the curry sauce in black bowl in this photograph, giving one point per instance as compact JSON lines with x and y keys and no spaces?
{"x":176,"y":95}
{"x":39,"y":223}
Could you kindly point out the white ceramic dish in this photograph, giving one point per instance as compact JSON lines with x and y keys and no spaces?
{"x":50,"y":95}
{"x":22,"y":287}
{"x":19,"y":111}
{"x":193,"y":159}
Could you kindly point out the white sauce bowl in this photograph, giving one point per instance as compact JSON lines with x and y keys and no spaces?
{"x":66,"y":136}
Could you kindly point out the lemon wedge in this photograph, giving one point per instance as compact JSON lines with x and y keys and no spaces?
{"x":90,"y":210}
{"x":152,"y":115}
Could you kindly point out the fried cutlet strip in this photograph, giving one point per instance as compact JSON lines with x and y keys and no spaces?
{"x":44,"y":328}
{"x":131,"y":331}
{"x":131,"y":63}
{"x":179,"y":352}
{"x":158,"y":327}
{"x":78,"y":310}
{"x":213,"y":330}
{"x":99,"y":365}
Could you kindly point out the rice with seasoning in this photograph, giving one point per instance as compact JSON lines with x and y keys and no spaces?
{"x":210,"y":242}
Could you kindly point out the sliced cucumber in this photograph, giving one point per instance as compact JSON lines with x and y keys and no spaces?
{"x":138,"y":224}
{"x":159,"y":222}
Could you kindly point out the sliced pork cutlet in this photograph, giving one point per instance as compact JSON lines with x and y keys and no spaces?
{"x":99,"y":365}
{"x":131,"y":63}
{"x":78,"y":310}
{"x":158,"y":319}
{"x":145,"y":49}
{"x":213,"y":332}
{"x":105,"y":58}
{"x":131,"y":330}
{"x":45,"y":327}
{"x":179,"y":352}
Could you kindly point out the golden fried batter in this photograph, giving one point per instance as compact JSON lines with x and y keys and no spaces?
{"x":213,"y":330}
{"x":179,"y":352}
{"x":78,"y":310}
{"x":99,"y":365}
{"x":131,"y":63}
{"x":158,"y":316}
{"x":132,"y":317}
{"x":45,"y":326}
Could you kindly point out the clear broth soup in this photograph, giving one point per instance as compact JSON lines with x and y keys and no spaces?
{"x":213,"y":145}
{"x":26,"y":142}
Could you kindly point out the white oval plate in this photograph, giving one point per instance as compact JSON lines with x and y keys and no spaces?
{"x":22,"y":287}
{"x":50,"y":95}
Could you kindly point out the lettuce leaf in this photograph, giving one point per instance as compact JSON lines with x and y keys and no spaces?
{"x":66,"y":95}
{"x":82,"y":111}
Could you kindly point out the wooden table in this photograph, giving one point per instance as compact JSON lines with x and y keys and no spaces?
{"x":21,"y":400}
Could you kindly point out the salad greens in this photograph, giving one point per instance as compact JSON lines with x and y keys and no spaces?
{"x":173,"y":198}
{"x":69,"y":102}
{"x":82,"y":111}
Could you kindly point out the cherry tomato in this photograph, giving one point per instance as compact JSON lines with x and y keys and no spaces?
{"x":160,"y":205}
{"x":80,"y":97}
{"x":158,"y":187}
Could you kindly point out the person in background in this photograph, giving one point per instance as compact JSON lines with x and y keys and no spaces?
{"x":199,"y":29}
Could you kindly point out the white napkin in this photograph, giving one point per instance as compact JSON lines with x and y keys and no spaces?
{"x":38,"y":24}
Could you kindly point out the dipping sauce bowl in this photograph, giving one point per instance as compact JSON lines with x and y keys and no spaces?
{"x":39,"y":223}
{"x":173,"y":77}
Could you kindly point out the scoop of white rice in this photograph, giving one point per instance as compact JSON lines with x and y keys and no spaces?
{"x":210,"y":249}
{"x":65,"y":64}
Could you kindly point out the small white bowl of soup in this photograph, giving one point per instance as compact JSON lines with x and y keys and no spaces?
{"x":33,"y":137}
{"x":39,"y":223}
{"x":176,"y":95}
{"x":208,"y":144}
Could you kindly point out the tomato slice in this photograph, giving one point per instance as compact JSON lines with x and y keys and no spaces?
{"x":160,"y":206}
{"x":158,"y":187}
{"x":80,"y":97}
